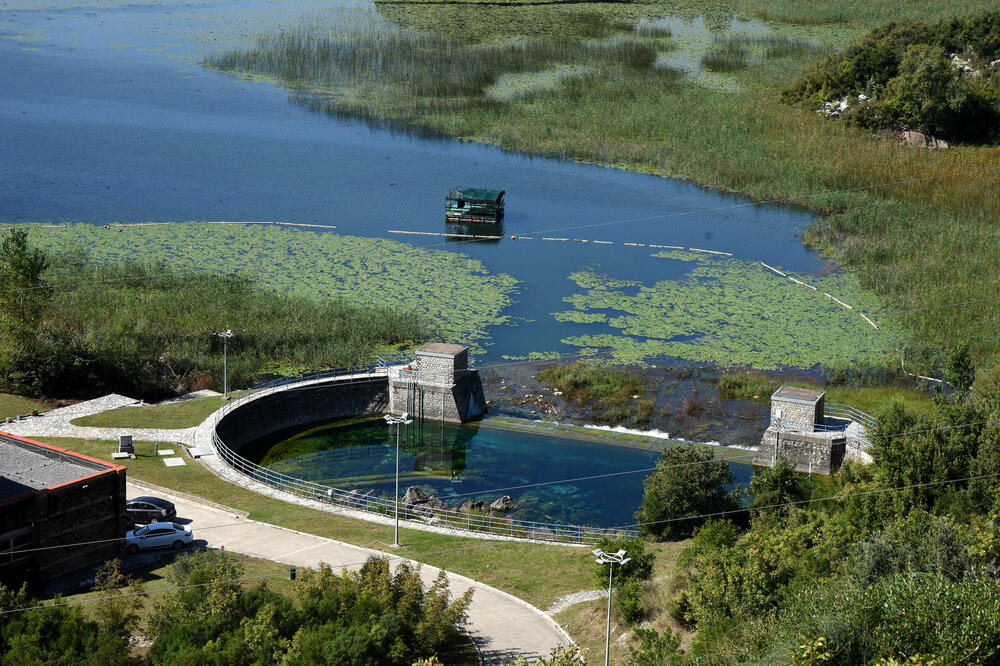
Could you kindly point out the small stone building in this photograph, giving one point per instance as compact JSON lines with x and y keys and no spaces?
{"x":800,"y":407}
{"x":798,"y":431}
{"x":438,"y":385}
{"x":50,"y":496}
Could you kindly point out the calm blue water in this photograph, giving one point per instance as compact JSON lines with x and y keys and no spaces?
{"x":106,"y":115}
{"x":473,"y":461}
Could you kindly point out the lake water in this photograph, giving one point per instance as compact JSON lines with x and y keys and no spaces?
{"x":473,"y":461}
{"x":107,"y":116}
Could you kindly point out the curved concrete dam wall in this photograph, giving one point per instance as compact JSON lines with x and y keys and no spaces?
{"x":298,"y":406}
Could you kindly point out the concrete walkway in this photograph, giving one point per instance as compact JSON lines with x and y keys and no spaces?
{"x":56,"y":423}
{"x":502,"y":626}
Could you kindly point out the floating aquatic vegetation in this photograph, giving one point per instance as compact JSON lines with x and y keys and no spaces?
{"x":457,"y":294}
{"x":730,"y":312}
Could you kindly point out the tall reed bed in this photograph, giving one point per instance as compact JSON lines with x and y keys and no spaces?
{"x":366,"y":55}
{"x":736,"y":52}
{"x":153,"y":337}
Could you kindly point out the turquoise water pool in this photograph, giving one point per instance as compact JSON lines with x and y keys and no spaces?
{"x":554,"y":478}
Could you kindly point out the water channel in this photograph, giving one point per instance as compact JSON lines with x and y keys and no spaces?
{"x":108,"y":116}
{"x":474,"y":461}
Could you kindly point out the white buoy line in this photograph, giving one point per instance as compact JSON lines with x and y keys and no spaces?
{"x":652,"y":245}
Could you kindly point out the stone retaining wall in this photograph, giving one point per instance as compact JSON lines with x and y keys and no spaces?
{"x":300,"y":406}
{"x":813,"y":453}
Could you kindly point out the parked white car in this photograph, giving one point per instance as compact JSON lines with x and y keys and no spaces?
{"x":158,"y":535}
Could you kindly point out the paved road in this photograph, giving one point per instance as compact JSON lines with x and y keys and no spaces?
{"x":502,"y":625}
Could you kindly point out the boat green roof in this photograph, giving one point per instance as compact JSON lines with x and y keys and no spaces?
{"x":476,"y":194}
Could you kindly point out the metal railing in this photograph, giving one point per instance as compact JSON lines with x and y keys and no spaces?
{"x":361,"y":501}
{"x":857,"y":437}
{"x":839,"y":411}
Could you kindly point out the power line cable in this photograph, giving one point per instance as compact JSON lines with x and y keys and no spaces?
{"x":342,"y":565}
{"x":315,"y":512}
{"x":863,"y":493}
{"x":541,"y":483}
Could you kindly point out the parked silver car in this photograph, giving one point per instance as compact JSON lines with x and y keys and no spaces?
{"x":158,"y":535}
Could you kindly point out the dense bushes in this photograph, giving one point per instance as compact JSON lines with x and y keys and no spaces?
{"x":372,"y":616}
{"x":148,"y":331}
{"x":691,"y":481}
{"x":904,"y":564}
{"x":941,"y":78}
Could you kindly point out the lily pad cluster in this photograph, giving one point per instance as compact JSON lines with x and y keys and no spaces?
{"x":727,"y":311}
{"x":457,"y":294}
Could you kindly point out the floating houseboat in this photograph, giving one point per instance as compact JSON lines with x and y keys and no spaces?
{"x":473,"y":204}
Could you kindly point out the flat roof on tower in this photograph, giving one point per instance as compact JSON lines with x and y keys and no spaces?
{"x":442,"y":348}
{"x":794,"y":394}
{"x":26,"y":465}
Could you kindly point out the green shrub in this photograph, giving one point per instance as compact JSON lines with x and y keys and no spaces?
{"x":690,"y":481}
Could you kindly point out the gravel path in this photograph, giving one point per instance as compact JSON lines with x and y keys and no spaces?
{"x":562,"y":603}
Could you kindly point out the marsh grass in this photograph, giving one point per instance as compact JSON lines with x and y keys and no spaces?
{"x":431,"y":72}
{"x":733,"y":53}
{"x":726,"y":56}
{"x":153,"y":337}
{"x":653,"y":31}
{"x":920,"y":244}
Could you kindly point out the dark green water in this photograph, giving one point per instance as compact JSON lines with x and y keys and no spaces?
{"x":472,"y":461}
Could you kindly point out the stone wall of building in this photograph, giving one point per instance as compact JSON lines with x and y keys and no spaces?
{"x":796,"y":412}
{"x":458,"y":403}
{"x":450,"y":365}
{"x":810,"y":453}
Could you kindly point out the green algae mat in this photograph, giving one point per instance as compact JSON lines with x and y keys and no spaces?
{"x":728,"y":311}
{"x":455,"y":293}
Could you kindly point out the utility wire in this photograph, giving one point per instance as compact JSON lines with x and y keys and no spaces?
{"x":239,"y":580}
{"x":315,"y":512}
{"x":862,"y":493}
{"x":489,"y":491}
{"x":642,"y":524}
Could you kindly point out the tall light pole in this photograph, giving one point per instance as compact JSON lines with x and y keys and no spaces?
{"x":225,"y":335}
{"x":611,"y":559}
{"x":397,"y":421}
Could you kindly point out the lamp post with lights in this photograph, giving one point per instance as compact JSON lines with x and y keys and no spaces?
{"x":611,"y":559}
{"x":397,"y":421}
{"x":225,"y":335}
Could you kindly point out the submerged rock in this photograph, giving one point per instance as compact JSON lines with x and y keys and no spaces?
{"x":505,"y":504}
{"x":470,"y":506}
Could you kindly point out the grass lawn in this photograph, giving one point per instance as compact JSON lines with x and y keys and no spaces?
{"x":185,"y":414}
{"x":586,"y":622}
{"x":539,"y":574}
{"x":13,"y":405}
